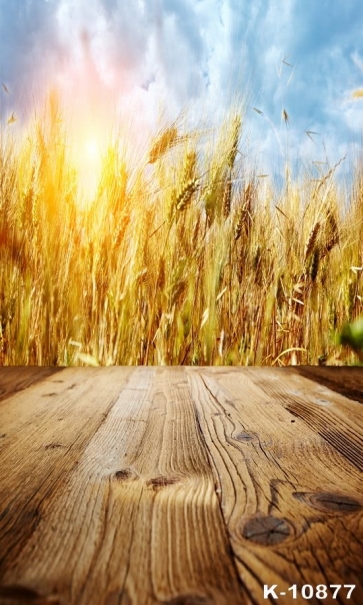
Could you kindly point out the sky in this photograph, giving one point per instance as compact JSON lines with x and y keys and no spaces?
{"x":140,"y":58}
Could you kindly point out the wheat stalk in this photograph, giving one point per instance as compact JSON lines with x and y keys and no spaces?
{"x":185,"y":195}
{"x":232,"y":152}
{"x":166,"y":139}
{"x":227,"y":197}
{"x":190,"y":166}
{"x":314,"y":267}
{"x":244,"y":215}
{"x":311,"y":241}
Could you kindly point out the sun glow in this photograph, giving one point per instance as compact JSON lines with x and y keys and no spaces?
{"x":91,"y":149}
{"x":88,"y":162}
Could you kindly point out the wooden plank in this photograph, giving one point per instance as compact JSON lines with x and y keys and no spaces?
{"x":45,"y":409}
{"x":137,"y":520}
{"x":291,"y":501}
{"x":345,"y":380}
{"x":47,"y":428}
{"x":16,"y":378}
{"x":332,"y":416}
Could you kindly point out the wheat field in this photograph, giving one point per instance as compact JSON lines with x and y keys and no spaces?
{"x":185,"y":256}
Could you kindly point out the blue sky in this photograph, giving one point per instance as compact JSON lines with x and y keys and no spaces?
{"x":133,"y":56}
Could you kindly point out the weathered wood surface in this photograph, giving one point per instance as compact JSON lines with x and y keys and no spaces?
{"x":179,"y":485}
{"x":14,"y":379}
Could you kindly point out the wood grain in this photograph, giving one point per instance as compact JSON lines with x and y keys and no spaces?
{"x":281,"y":481}
{"x":130,"y":514}
{"x":345,"y":380}
{"x":47,"y":428}
{"x":17,"y":378}
{"x":178,"y":485}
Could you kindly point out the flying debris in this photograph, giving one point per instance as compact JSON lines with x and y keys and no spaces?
{"x":286,"y":63}
{"x":12,"y":119}
{"x":309,"y":133}
{"x":279,"y":68}
{"x":258,"y":110}
{"x":5,"y":88}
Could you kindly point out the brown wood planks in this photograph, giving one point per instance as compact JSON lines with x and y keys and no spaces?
{"x":292,"y":501}
{"x":178,"y":486}
{"x":47,"y":428}
{"x":127,"y":509}
{"x":347,"y":380}
{"x":17,"y":378}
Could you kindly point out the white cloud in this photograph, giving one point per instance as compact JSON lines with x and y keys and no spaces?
{"x":134,"y":56}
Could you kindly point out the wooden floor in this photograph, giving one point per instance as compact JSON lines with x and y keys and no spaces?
{"x":181,"y":485}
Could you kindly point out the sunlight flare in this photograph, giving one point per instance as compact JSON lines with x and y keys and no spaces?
{"x":90,"y":149}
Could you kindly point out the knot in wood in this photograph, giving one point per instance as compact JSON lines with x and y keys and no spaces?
{"x":266,"y":530}
{"x":245,"y":437}
{"x":125,"y":474}
{"x":329,"y":502}
{"x":158,"y":482}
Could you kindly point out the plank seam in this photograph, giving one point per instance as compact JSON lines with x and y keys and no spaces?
{"x":219,"y":500}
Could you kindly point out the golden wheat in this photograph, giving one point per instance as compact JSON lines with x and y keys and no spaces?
{"x":185,"y":195}
{"x":163,"y":143}
{"x":311,"y":241}
{"x":227,"y":199}
{"x":129,"y":286}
